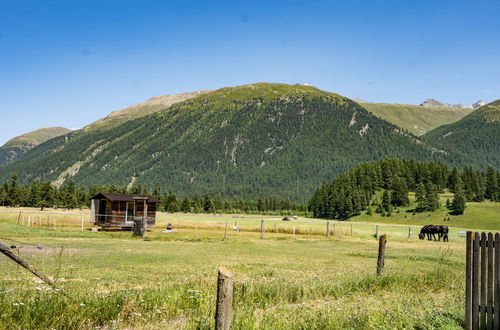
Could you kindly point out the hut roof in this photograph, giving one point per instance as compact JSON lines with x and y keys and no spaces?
{"x":125,"y":198}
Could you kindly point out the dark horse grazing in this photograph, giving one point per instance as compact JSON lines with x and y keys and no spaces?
{"x":432,"y":230}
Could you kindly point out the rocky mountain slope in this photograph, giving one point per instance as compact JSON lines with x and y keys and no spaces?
{"x":436,"y":103}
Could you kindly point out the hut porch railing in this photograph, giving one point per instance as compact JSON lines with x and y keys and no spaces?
{"x":108,"y":219}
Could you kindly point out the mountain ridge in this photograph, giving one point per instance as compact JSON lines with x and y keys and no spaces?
{"x":253,"y":140}
{"x":476,"y":135}
{"x":19,"y":145}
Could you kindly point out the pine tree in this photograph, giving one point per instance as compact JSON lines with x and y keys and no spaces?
{"x":13,"y":192}
{"x":369,"y":211}
{"x":431,"y":197}
{"x":186,"y":205}
{"x":157,"y":190}
{"x":420,"y":199}
{"x":386,"y":200}
{"x":208,"y":205}
{"x":458,"y":205}
{"x":399,"y":196}
{"x":491,"y":184}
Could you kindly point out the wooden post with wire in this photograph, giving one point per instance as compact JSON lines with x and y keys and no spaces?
{"x":6,"y":251}
{"x":225,"y":232}
{"x":328,"y":229}
{"x":224,"y":301}
{"x":381,"y":255}
{"x":262,"y":229}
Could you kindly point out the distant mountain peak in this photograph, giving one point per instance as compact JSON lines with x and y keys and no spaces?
{"x":479,"y":104}
{"x":435,"y":103}
{"x":432,"y":103}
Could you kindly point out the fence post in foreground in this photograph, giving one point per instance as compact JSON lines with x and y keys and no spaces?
{"x":381,"y":255}
{"x":6,"y":251}
{"x":468,"y":282}
{"x":328,"y":229}
{"x":224,"y":299}
{"x":262,"y":229}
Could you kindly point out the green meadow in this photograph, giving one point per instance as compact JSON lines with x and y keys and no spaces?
{"x":296,"y":278}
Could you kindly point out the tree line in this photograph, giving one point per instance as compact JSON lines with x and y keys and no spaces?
{"x":70,"y":195}
{"x":355,"y":191}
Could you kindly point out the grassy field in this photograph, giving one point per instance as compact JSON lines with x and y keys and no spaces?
{"x":287,"y":281}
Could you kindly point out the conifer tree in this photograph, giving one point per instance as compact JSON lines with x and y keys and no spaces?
{"x":186,"y":205}
{"x":399,"y":196}
{"x":386,"y":200}
{"x":458,"y":204}
{"x":420,"y":199}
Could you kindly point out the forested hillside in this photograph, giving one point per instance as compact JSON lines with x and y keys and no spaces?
{"x":19,"y":145}
{"x":253,"y":141}
{"x":476,"y":135}
{"x":353,"y":192}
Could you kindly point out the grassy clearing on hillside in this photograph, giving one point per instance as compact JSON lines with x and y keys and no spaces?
{"x":479,"y":216}
{"x":304,"y":281}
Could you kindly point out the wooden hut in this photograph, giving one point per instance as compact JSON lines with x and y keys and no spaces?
{"x":120,"y":210}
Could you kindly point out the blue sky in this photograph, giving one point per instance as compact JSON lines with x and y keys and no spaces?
{"x":68,"y":63}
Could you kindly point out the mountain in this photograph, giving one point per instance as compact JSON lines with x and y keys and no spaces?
{"x":416,"y":119}
{"x":152,"y":105}
{"x":252,"y":141}
{"x":19,"y":145}
{"x":434,"y":103}
{"x":476,"y":135}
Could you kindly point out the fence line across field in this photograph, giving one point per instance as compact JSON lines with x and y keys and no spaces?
{"x":302,"y":226}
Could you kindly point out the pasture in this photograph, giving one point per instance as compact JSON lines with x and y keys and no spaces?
{"x":286,"y":281}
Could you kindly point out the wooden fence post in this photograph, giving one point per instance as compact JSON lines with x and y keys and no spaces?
{"x":475,"y":280}
{"x":225,"y":232}
{"x":328,"y":229}
{"x":333,"y":233}
{"x":381,"y":255}
{"x":496,"y":323}
{"x":293,"y":231}
{"x":376,"y":231}
{"x":6,"y":251}
{"x":82,"y":222}
{"x":468,"y":282}
{"x":351,"y":229}
{"x":262,"y":229}
{"x":224,"y":299}
{"x":409,"y":232}
{"x":19,"y":217}
{"x":482,"y":313}
{"x":29,"y":220}
{"x":490,"y":281}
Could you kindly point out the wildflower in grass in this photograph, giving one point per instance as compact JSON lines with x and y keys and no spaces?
{"x":82,"y":305}
{"x":39,"y":288}
{"x":16,"y":304}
